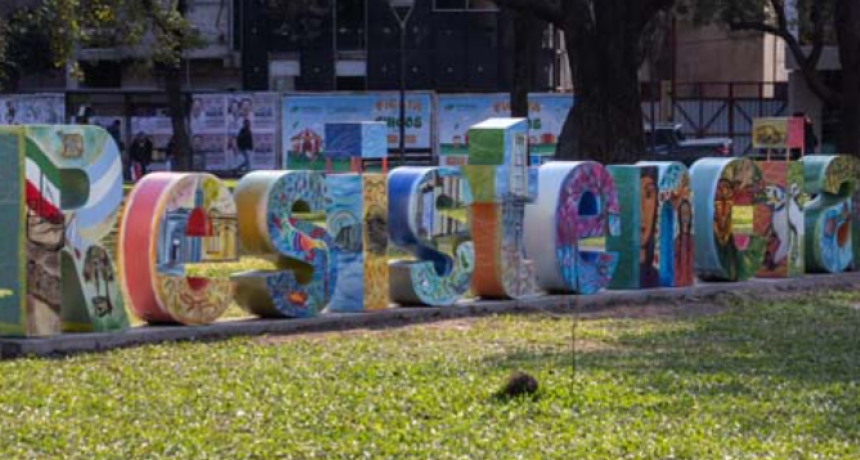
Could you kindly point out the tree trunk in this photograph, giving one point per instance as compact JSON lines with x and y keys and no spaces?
{"x":605,"y":124}
{"x":182,"y":150}
{"x":849,"y":141}
{"x":527,"y":40}
{"x":848,"y":33}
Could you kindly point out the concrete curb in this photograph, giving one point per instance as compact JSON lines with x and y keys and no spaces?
{"x":64,"y":345}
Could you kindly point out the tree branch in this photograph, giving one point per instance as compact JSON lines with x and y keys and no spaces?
{"x":546,"y":10}
{"x":781,"y":18}
{"x":757,"y":27}
{"x":650,"y":9}
{"x":808,"y":64}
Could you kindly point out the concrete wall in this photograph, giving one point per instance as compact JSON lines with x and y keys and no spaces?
{"x":802,"y":99}
{"x":714,"y":54}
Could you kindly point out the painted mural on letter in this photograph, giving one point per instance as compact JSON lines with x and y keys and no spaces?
{"x":636,"y":244}
{"x":675,"y":240}
{"x":62,"y":188}
{"x":502,"y":184}
{"x":727,"y":194}
{"x":831,"y":217}
{"x":780,"y":219}
{"x":194,"y":223}
{"x":567,"y":227}
{"x":375,"y":238}
{"x":292,"y":234}
{"x":428,"y":217}
{"x":357,"y":215}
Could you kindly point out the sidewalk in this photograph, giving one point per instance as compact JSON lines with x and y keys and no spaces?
{"x":69,"y":344}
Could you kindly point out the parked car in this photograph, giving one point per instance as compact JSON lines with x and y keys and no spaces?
{"x":666,"y":142}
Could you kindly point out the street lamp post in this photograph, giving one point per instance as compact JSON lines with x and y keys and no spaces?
{"x":402,"y":10}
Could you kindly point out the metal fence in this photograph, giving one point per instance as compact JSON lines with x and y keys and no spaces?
{"x":719,"y":109}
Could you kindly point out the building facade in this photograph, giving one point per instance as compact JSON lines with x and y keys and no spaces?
{"x":325,"y":45}
{"x":354,"y":45}
{"x":826,"y":117}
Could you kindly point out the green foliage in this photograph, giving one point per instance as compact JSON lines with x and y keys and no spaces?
{"x":26,"y":44}
{"x":739,"y":13}
{"x":726,"y":11}
{"x":4,"y":45}
{"x":155,"y":30}
{"x":746,"y":380}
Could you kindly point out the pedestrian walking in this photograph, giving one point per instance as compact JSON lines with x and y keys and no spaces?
{"x":245,"y":145}
{"x":141,"y":155}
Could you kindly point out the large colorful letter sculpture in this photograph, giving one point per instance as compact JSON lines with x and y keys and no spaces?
{"x":357,"y":221}
{"x":499,"y":176}
{"x":62,"y":191}
{"x":428,"y":217}
{"x":577,"y":207}
{"x":281,"y":218}
{"x":780,"y":219}
{"x":726,"y":195}
{"x":636,"y":243}
{"x":173,"y":222}
{"x":675,"y":241}
{"x":832,"y":181}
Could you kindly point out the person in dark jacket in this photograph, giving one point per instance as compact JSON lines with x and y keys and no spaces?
{"x":141,"y":154}
{"x":245,"y":145}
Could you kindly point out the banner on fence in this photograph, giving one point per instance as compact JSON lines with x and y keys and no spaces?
{"x":304,"y":117}
{"x":221,"y":136}
{"x":458,"y":112}
{"x":778,"y":133}
{"x":32,"y":109}
{"x":547,"y":114}
{"x":158,"y":127}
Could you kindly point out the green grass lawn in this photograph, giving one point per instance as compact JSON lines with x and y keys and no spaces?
{"x":742,"y":380}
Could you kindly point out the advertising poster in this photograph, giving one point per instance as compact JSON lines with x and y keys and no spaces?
{"x":159,"y":129}
{"x":262,"y":114}
{"x":304,"y":118}
{"x":265,"y":112}
{"x":458,"y":113}
{"x":547,"y":114}
{"x":210,"y":153}
{"x":264,"y":155}
{"x":208,"y":114}
{"x":218,"y":122}
{"x":778,"y":133}
{"x":33,"y":109}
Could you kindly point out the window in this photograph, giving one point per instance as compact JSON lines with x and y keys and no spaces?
{"x":350,"y":19}
{"x":464,"y":5}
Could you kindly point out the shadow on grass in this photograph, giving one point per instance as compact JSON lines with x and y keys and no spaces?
{"x":768,"y":364}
